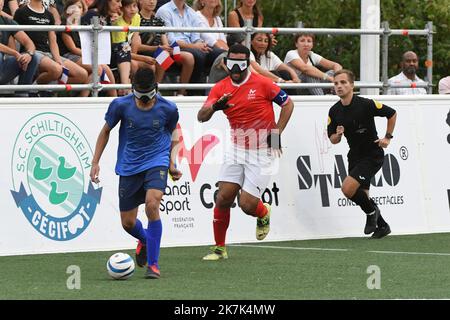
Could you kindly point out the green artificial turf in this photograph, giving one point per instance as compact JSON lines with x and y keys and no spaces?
{"x":251,"y":272}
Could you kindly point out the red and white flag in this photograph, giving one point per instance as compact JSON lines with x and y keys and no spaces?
{"x":163,"y":58}
{"x":176,"y":52}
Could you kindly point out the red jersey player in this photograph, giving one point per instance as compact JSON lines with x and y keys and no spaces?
{"x":246,"y":99}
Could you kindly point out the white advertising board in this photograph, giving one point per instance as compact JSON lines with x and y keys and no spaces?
{"x":50,"y":205}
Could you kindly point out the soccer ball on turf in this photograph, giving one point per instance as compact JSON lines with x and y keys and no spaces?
{"x":120,"y":266}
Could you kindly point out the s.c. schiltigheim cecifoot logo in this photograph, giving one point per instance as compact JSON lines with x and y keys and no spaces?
{"x":50,"y":167}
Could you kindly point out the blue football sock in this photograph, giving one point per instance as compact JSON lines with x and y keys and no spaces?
{"x":154,"y":232}
{"x":138,"y":232}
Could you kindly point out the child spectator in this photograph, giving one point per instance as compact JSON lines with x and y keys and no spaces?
{"x":108,"y":11}
{"x":151,"y":41}
{"x":125,"y":44}
{"x":70,"y":44}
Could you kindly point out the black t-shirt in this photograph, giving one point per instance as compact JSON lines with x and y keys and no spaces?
{"x":27,"y":16}
{"x":73,"y":34}
{"x":151,"y":38}
{"x":359,"y":124}
{"x":4,"y":35}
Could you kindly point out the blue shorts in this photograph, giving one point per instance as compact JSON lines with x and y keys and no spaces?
{"x":132,"y":189}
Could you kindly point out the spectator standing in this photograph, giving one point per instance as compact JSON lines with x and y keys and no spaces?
{"x":246,"y":10}
{"x":306,"y":62}
{"x":408,"y":76}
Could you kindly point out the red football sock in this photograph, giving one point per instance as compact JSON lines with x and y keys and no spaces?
{"x":220,"y":225}
{"x":261,"y":210}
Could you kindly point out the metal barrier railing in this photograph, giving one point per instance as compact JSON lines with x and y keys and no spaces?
{"x":385,"y":32}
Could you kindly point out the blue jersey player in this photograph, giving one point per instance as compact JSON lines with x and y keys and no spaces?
{"x":147,"y":139}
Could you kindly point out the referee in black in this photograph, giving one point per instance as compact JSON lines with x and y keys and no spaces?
{"x":353,"y":116}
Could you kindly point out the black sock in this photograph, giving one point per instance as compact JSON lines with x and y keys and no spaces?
{"x":362,"y":200}
{"x":380,"y":221}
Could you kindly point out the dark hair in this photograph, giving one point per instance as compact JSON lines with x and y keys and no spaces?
{"x":350,"y":75}
{"x":144,"y":78}
{"x":239,"y":48}
{"x":101,"y":6}
{"x":233,"y":38}
{"x":298,"y":35}
{"x":128,"y":2}
{"x":269,"y":45}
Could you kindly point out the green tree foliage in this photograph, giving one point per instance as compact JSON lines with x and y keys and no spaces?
{"x":345,"y":49}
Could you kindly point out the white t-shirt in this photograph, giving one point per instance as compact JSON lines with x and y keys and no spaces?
{"x":293,"y":55}
{"x":271,"y":62}
{"x":210,"y":38}
{"x":46,"y":3}
{"x":401,"y":78}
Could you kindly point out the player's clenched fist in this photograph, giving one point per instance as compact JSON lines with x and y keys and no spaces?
{"x":340,"y":130}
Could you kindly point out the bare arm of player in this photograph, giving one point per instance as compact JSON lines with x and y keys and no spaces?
{"x":102,"y":141}
{"x":274,"y":136}
{"x":285,"y":115}
{"x":206,"y":112}
{"x":173,"y":171}
{"x":336,"y":137}
{"x":384,"y":142}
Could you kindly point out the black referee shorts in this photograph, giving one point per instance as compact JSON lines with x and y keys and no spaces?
{"x":363,"y":169}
